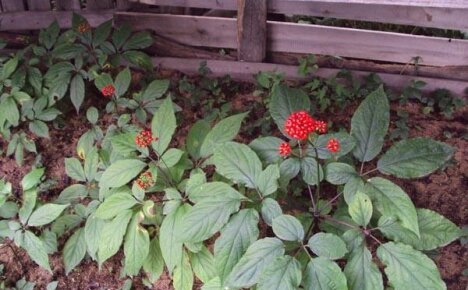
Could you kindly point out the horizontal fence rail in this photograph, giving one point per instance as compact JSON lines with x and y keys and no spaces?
{"x":303,"y":38}
{"x":449,"y":14}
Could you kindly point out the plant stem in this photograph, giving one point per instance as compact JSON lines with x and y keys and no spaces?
{"x":327,"y":217}
{"x":362,"y":168}
{"x":314,"y":206}
{"x":370,"y":171}
{"x":331,"y":200}
{"x":305,"y":250}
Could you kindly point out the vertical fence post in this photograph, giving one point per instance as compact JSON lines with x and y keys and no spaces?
{"x":251,"y":30}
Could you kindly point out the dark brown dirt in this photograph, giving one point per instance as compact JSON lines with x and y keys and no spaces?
{"x":443,"y":191}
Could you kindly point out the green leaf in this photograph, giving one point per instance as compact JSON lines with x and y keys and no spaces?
{"x":258,"y":256}
{"x":435,"y":231}
{"x":211,"y":213}
{"x":390,"y":200}
{"x":171,"y":157}
{"x":74,"y":169}
{"x":136,"y":246}
{"x":155,"y":90}
{"x":369,"y":125}
{"x":77,"y":91}
{"x":138,"y":58}
{"x":183,"y":275}
{"x":39,"y":128}
{"x":309,"y":171}
{"x":9,"y":109}
{"x":203,"y":265}
{"x":267,"y":148}
{"x":139,"y":40}
{"x":74,"y":250}
{"x":49,"y":239}
{"x":154,"y":263}
{"x":112,"y":236}
{"x":284,"y":273}
{"x":323,"y":274}
{"x":92,"y":115}
{"x":237,"y":162}
{"x":360,"y":209}
{"x":213,"y":284}
{"x":339,"y":173}
{"x":102,"y":32}
{"x":91,"y":164}
{"x":52,"y":285}
{"x":115,"y":204}
{"x":122,"y":82}
{"x":221,"y":133}
{"x":93,"y":231}
{"x":285,"y":101}
{"x":407,"y":268}
{"x":171,"y":248}
{"x":289,"y":169}
{"x":414,"y":158}
{"x":9,"y":67}
{"x":103,"y":80}
{"x":327,"y":245}
{"x":288,"y":228}
{"x":270,"y":210}
{"x":29,"y":201}
{"x":31,"y":179}
{"x":124,"y":144}
{"x":195,"y":138}
{"x":121,"y":172}
{"x":361,"y":272}
{"x":36,"y":250}
{"x":350,"y":189}
{"x":267,"y":180}
{"x":236,"y":237}
{"x":46,"y":214}
{"x":163,"y":126}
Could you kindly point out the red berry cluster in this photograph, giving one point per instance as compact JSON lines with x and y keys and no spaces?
{"x":108,"y":90}
{"x":145,"y":180}
{"x":321,"y":127}
{"x":299,"y":125}
{"x":144,"y":138}
{"x":333,"y":145}
{"x":284,"y":149}
{"x":84,"y":27}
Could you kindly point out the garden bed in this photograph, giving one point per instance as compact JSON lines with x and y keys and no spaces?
{"x":444,"y":191}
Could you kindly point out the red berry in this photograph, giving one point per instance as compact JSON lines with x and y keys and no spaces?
{"x":333,"y":145}
{"x":299,"y":125}
{"x":321,"y":127}
{"x":145,"y":180}
{"x":108,"y":90}
{"x":144,"y":138}
{"x":284,"y":149}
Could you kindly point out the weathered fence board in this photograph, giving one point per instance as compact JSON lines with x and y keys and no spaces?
{"x":99,"y":4}
{"x":302,"y":38}
{"x":12,"y":5}
{"x":450,"y":14}
{"x":39,"y":5}
{"x":31,"y":20}
{"x":246,"y":70}
{"x":252,"y":30}
{"x":68,"y":4}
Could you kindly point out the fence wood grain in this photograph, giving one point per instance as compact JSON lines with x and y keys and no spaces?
{"x":450,"y":14}
{"x":32,"y":20}
{"x":39,"y":5}
{"x":68,"y":4}
{"x":251,"y":30}
{"x":246,"y":70}
{"x":12,"y":5}
{"x":302,"y":38}
{"x":99,"y":4}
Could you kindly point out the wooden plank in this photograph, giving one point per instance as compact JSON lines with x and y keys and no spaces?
{"x":449,"y":14}
{"x":99,"y":4}
{"x":68,"y":4}
{"x":251,"y":30}
{"x":123,"y":5}
{"x":439,"y":14}
{"x":189,"y":30}
{"x":12,"y":5}
{"x":309,"y":39}
{"x":31,"y":20}
{"x":246,"y":70}
{"x":39,"y":5}
{"x":365,"y":44}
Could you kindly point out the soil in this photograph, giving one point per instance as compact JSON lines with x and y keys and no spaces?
{"x":443,"y":191}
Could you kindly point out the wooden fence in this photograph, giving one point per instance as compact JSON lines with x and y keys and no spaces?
{"x":252,"y":38}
